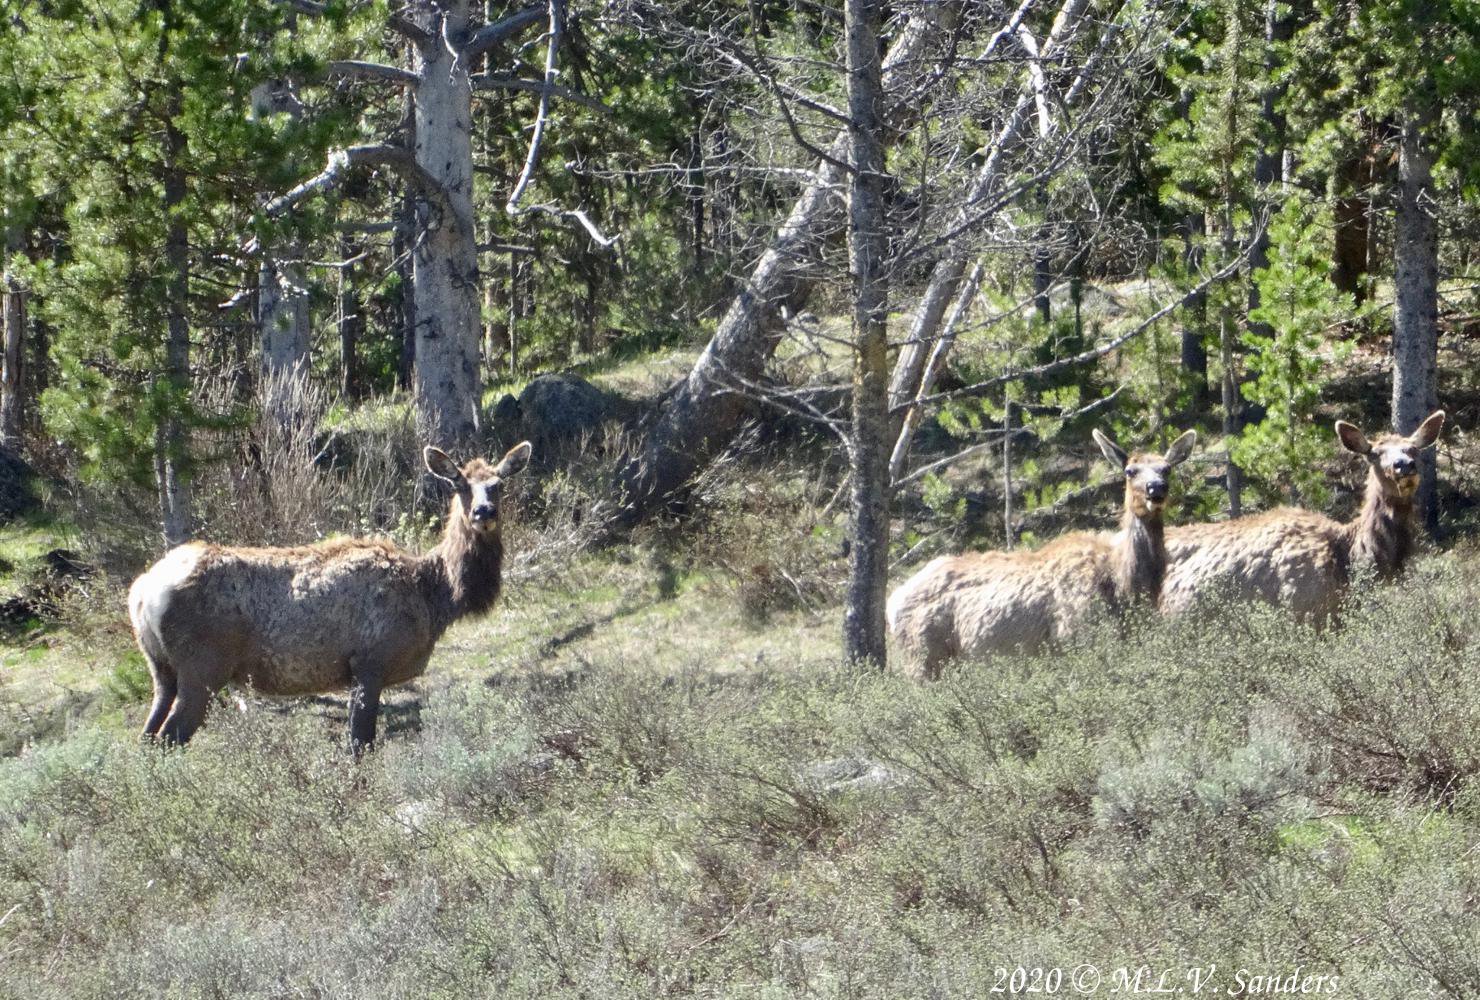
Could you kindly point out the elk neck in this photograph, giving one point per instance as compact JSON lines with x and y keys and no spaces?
{"x":1140,"y":556}
{"x":1381,"y":536}
{"x":461,"y":576}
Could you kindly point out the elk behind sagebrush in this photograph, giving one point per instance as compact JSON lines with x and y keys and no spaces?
{"x":1302,"y":559}
{"x":978,"y":604}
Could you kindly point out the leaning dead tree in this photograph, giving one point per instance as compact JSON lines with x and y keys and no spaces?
{"x":447,"y":44}
{"x":1030,"y":72}
{"x":701,"y":414}
{"x":923,"y":344}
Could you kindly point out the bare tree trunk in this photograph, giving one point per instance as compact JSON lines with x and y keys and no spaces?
{"x":702,"y":412}
{"x":12,"y":378}
{"x":1350,"y":249}
{"x":1232,"y":401}
{"x":401,"y":243}
{"x":868,"y":556}
{"x":1194,"y":354}
{"x":1268,"y":163}
{"x":282,"y":322}
{"x":933,"y":365}
{"x":170,"y":438}
{"x":282,"y":300}
{"x":1007,"y":474}
{"x":1416,"y":305}
{"x":350,"y":322}
{"x":445,"y":258}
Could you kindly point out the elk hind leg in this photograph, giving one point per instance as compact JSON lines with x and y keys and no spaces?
{"x":191,"y":701}
{"x":166,"y":686}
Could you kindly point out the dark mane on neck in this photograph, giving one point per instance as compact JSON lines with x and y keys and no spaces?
{"x":464,"y":571}
{"x":1140,"y":559}
{"x":1381,"y":535}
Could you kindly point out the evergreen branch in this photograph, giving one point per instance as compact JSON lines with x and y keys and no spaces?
{"x":406,"y":27}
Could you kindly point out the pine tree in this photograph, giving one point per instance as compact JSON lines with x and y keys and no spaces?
{"x":1209,"y":157}
{"x":1300,"y":308}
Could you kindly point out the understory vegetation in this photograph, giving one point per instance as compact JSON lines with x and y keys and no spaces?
{"x":648,"y":773}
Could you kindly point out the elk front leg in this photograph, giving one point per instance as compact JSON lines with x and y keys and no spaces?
{"x":364,"y":707}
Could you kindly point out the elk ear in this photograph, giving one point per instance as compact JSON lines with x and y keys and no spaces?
{"x":1428,"y":431}
{"x":1114,"y":453}
{"x":1181,"y":448}
{"x":1352,"y":438}
{"x":514,"y":462}
{"x":441,"y":465}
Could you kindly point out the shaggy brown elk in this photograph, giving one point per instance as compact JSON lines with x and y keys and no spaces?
{"x":1298,"y":558}
{"x":354,"y":613}
{"x":984,"y":603}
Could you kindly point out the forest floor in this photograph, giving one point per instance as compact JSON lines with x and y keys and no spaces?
{"x":647,"y":773}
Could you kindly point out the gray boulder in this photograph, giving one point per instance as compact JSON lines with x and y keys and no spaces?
{"x":560,"y":410}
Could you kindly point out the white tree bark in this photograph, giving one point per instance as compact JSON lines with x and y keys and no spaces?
{"x":283,"y":325}
{"x":282,"y":299}
{"x":445,"y":264}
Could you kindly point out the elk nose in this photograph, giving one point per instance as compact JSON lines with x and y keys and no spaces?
{"x":1156,"y":491}
{"x":484,"y":512}
{"x":1403,"y":467}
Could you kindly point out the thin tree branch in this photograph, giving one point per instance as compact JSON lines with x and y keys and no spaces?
{"x":1094,"y":353}
{"x":361,"y":70}
{"x":1092,"y":406}
{"x":532,"y":157}
{"x":484,"y":83}
{"x":490,"y":35}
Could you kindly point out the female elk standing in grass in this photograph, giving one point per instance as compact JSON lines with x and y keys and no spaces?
{"x":982,"y":603}
{"x":1299,"y":558}
{"x":354,"y":613}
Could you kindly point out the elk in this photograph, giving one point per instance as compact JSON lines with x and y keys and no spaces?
{"x":1301,"y":559}
{"x":356,"y":613}
{"x":985,"y":603}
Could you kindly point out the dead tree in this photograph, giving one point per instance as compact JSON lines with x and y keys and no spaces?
{"x":701,"y":414}
{"x":446,"y":44}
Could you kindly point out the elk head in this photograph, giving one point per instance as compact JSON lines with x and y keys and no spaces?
{"x":1394,"y":458}
{"x":1147,"y":474}
{"x":478,"y":485}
